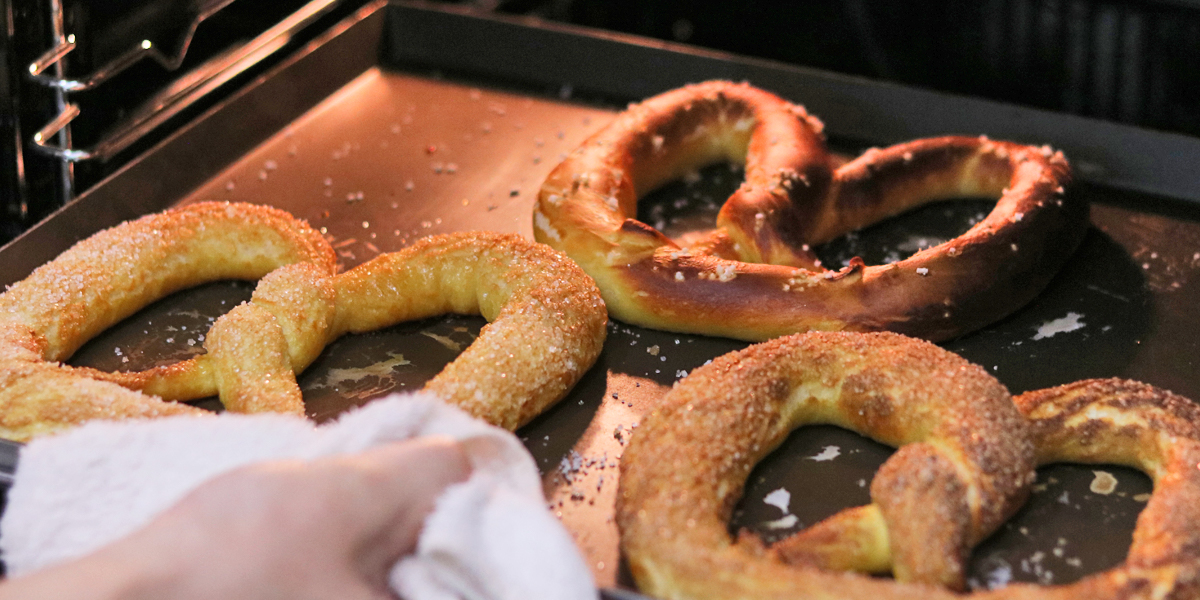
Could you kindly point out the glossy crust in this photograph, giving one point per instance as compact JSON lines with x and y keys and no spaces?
{"x":754,"y":277}
{"x":547,"y":318}
{"x":688,"y":460}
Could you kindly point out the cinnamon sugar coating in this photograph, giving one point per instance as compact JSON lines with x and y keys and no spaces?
{"x":963,"y":467}
{"x":966,"y":459}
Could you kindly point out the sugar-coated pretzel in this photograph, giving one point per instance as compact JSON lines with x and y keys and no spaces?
{"x":687,"y":462}
{"x":754,"y":277}
{"x":1137,"y":425}
{"x":547,"y":317}
{"x":109,"y":276}
{"x":964,"y":448}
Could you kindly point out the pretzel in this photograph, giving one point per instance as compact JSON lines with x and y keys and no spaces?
{"x":547,"y":319}
{"x":755,"y":277}
{"x":103,"y":279}
{"x":965,"y":463}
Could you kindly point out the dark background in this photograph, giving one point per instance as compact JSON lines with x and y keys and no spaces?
{"x":1129,"y":61}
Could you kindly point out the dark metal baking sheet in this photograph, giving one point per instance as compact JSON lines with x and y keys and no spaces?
{"x":412,"y":120}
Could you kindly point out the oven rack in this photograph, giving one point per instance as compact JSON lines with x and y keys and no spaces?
{"x":187,"y":90}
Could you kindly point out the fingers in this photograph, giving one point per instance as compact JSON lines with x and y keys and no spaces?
{"x":394,"y":488}
{"x":327,"y":528}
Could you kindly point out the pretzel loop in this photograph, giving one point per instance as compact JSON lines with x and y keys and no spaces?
{"x":965,"y":463}
{"x":1137,"y":425}
{"x":754,"y":277}
{"x":109,"y":276}
{"x":964,"y":449}
{"x":547,"y":319}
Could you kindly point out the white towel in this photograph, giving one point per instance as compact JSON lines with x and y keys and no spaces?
{"x":490,"y":537}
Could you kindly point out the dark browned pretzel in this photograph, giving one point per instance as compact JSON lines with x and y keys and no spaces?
{"x":755,"y":276}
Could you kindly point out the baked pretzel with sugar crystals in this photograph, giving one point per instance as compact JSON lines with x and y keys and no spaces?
{"x":109,"y":276}
{"x":965,"y":462}
{"x":547,"y":320}
{"x":754,"y":277}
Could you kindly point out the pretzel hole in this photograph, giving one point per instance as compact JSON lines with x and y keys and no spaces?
{"x":1064,"y":532}
{"x":903,"y":235}
{"x":360,"y":367}
{"x":165,"y":332}
{"x":350,"y":372}
{"x":687,"y":208}
{"x":838,"y":462}
{"x":690,"y":205}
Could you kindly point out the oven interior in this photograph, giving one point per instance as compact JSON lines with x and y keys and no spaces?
{"x":1126,"y":250}
{"x":104,"y":80}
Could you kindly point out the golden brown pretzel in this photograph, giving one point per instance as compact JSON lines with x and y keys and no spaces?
{"x":754,"y":277}
{"x":546,"y":318}
{"x":963,"y":447}
{"x":1138,"y":425}
{"x":688,"y":460}
{"x":546,"y":324}
{"x":548,"y":321}
{"x":109,"y":276}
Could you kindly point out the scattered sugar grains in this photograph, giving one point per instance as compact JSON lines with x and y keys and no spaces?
{"x":1103,"y":483}
{"x":1071,"y":322}
{"x":621,"y":433}
{"x":786,"y":522}
{"x":574,"y":466}
{"x":827,"y":453}
{"x":652,"y":350}
{"x":998,"y":573}
{"x":780,"y":498}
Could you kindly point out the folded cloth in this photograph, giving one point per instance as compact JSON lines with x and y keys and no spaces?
{"x":488,"y":537}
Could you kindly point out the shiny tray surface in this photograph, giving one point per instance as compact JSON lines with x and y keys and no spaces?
{"x":404,"y":149}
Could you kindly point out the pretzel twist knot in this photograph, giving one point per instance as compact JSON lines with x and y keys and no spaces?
{"x":754,"y":277}
{"x":965,"y":462}
{"x":547,"y":320}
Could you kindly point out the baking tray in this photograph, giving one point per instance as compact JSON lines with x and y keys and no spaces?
{"x":412,"y":119}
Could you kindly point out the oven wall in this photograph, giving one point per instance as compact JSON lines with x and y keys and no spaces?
{"x":30,"y":185}
{"x":1130,"y":61}
{"x":1123,"y":60}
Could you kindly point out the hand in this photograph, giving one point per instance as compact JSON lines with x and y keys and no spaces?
{"x":329,"y":528}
